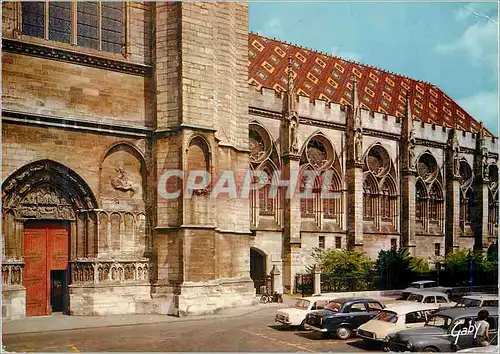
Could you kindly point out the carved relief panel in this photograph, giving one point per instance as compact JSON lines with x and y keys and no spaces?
{"x":122,"y":173}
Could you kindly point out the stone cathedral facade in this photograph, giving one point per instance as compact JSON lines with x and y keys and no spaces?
{"x":100,"y":99}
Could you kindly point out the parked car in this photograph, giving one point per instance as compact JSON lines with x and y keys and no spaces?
{"x":343,"y":316}
{"x":295,"y":316}
{"x":446,"y":331}
{"x":431,"y":297}
{"x":395,"y":317}
{"x":478,"y":300}
{"x":427,"y":285}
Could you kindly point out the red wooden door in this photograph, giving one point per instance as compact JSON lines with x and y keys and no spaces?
{"x":45,"y":248}
{"x":35,"y":271}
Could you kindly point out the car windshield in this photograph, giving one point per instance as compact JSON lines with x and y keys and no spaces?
{"x":469,"y":303}
{"x":333,"y":306}
{"x":414,"y":285}
{"x":439,"y":321}
{"x":490,"y":303}
{"x":429,"y":285}
{"x":387,"y":316}
{"x":415,"y":297}
{"x":302,"y":304}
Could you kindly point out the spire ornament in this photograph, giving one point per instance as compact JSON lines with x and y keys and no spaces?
{"x":454,"y":147}
{"x":290,"y":120}
{"x":358,"y":129}
{"x":408,"y":134}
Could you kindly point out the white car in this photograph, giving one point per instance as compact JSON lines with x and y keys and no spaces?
{"x":295,"y":316}
{"x":431,"y":297}
{"x":478,"y":300}
{"x":394,"y":318}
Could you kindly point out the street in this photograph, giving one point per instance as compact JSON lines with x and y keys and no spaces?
{"x":252,"y":332}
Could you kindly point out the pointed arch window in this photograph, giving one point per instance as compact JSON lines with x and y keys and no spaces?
{"x":466,"y":201}
{"x":492,"y":213}
{"x":387,"y":201}
{"x":435,"y":204}
{"x":309,"y":189}
{"x":420,"y":202}
{"x":267,"y":205}
{"x":369,"y":199}
{"x":332,"y":207}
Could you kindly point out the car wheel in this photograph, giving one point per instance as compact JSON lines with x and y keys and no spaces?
{"x":429,"y":350}
{"x":301,"y":326}
{"x":263,"y":299}
{"x":343,"y":332}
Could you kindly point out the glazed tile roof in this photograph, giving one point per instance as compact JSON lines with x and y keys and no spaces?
{"x":329,"y":78}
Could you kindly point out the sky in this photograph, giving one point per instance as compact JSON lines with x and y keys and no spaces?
{"x":453,"y":45}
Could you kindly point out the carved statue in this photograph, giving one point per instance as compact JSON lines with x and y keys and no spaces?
{"x":358,"y":153}
{"x":121,"y":183}
{"x":294,"y":142}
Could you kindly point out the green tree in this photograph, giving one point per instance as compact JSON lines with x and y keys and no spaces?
{"x":419,"y":265}
{"x":343,"y":263}
{"x":394,"y":268}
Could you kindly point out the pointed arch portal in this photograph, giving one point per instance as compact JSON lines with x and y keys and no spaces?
{"x":41,"y":202}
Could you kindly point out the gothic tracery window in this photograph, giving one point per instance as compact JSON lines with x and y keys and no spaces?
{"x":435,"y":204}
{"x":90,"y":24}
{"x":332,"y":207}
{"x":369,"y":197}
{"x":266,"y":202}
{"x":420,"y":202}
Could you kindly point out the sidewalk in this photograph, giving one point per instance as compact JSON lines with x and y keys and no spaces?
{"x":59,"y":322}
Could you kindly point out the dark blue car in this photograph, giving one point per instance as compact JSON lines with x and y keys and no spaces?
{"x":343,"y":316}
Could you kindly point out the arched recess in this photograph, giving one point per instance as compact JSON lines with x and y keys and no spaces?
{"x":122,"y":178}
{"x":258,"y":271}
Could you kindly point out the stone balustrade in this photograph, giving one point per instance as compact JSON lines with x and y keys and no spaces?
{"x":97,"y":272}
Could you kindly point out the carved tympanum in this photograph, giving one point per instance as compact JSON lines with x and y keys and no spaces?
{"x":46,"y":202}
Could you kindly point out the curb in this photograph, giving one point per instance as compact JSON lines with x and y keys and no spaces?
{"x":173,"y":320}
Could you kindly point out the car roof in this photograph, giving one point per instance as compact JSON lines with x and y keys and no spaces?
{"x":404,"y":307}
{"x":423,"y":282}
{"x":317,"y":297}
{"x":431,"y":293}
{"x":481,"y":297}
{"x":344,"y":300}
{"x":455,"y":312}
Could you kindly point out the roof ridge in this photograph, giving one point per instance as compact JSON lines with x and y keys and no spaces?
{"x":348,"y":60}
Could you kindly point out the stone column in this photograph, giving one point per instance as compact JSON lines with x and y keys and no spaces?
{"x":479,"y":208}
{"x":317,"y":280}
{"x":408,"y":173}
{"x":354,"y":175}
{"x":452,"y":205}
{"x":291,"y":203}
{"x":277,"y":281}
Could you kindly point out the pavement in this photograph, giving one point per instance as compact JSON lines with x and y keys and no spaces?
{"x":60,"y":322}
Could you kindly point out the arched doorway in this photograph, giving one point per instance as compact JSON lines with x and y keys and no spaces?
{"x":40,"y":204}
{"x":258,"y":268}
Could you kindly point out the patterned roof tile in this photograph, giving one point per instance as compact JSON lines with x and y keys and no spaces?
{"x":327,"y":77}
